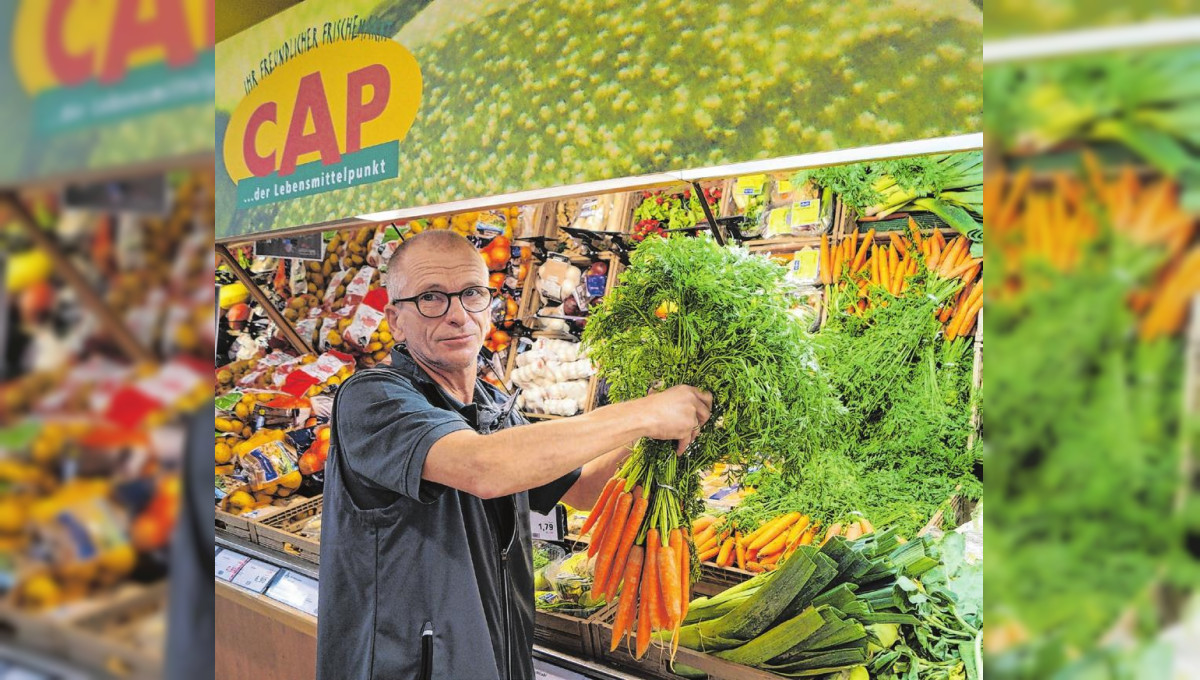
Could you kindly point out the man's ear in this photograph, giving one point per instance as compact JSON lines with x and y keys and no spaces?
{"x":393,"y":318}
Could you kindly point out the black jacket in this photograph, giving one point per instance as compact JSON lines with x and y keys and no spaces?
{"x":419,"y":580}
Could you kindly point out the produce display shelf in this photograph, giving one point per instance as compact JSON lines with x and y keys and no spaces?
{"x":46,"y":632}
{"x":280,"y":531}
{"x":656,"y":663}
{"x":567,"y":633}
{"x":236,"y":525}
{"x":109,"y":640}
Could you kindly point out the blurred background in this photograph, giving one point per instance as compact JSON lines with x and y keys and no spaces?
{"x":1093,"y":152}
{"x":107,"y":315}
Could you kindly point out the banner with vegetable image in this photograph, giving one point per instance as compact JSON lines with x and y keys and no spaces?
{"x":95,"y":86}
{"x":489,"y":97}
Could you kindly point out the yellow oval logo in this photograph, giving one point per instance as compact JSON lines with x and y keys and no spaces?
{"x":66,"y":43}
{"x":341,"y":104}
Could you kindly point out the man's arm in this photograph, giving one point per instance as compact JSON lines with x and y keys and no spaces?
{"x":522,"y":458}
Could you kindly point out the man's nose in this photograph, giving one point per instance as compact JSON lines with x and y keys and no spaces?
{"x":457,"y":314}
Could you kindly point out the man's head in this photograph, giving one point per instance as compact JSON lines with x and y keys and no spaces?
{"x":437,"y":262}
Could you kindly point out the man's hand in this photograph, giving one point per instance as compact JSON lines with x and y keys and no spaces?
{"x":677,"y":413}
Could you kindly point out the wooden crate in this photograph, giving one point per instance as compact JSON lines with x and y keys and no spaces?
{"x":280,"y":532}
{"x":242,"y":527}
{"x":45,"y":631}
{"x":566,"y":633}
{"x":656,"y":662}
{"x":106,"y":640}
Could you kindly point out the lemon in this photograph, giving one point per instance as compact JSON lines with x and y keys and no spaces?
{"x":270,"y":489}
{"x":12,"y":516}
{"x":41,"y":592}
{"x":224,"y":454}
{"x":240,"y":501}
{"x":119,"y":560}
{"x":262,"y":499}
{"x":242,"y":411}
{"x":292,"y":480}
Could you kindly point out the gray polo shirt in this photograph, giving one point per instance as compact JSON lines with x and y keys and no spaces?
{"x":419,"y":580}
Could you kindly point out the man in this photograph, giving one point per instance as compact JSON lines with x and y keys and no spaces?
{"x":426,"y":564}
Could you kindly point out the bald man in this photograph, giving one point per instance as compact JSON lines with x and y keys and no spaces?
{"x":426,"y":555}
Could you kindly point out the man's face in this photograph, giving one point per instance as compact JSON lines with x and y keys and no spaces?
{"x":453,"y":340}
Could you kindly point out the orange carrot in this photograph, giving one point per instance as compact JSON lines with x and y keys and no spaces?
{"x":709,"y":554}
{"x":797,"y":530}
{"x":775,"y":546}
{"x":755,"y":568}
{"x":950,"y":259}
{"x":968,"y":323}
{"x":809,"y":535}
{"x":602,"y":523}
{"x":898,"y":275}
{"x":939,"y":238}
{"x":875,"y":264}
{"x":854,"y":531}
{"x":776,"y":527}
{"x":885,"y":271}
{"x":605,"y":558}
{"x":626,"y":608}
{"x":604,"y":496}
{"x":725,"y":557}
{"x":866,"y":526}
{"x":898,"y":243}
{"x":632,"y":526}
{"x":916,"y":232}
{"x":835,"y":529}
{"x":867,"y":242}
{"x":935,"y":255}
{"x":703,"y":523}
{"x":703,"y":535}
{"x":825,"y":261}
{"x":668,"y":583}
{"x":835,"y":269}
{"x":685,"y":575}
{"x":647,"y":612}
{"x":740,"y":547}
{"x":770,"y":559}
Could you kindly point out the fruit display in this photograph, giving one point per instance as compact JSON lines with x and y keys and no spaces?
{"x":89,"y":489}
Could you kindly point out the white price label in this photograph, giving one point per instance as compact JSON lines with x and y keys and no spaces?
{"x":296,"y":591}
{"x":255,"y":576}
{"x":229,"y":564}
{"x":545,"y":527}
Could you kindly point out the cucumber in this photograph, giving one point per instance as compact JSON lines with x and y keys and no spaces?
{"x":777,"y":640}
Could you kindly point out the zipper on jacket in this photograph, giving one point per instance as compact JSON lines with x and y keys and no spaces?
{"x":507,"y":616}
{"x":427,"y":652}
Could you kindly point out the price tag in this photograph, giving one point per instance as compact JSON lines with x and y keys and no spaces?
{"x":296,"y":591}
{"x":255,"y":576}
{"x":548,"y":527}
{"x":229,"y":564}
{"x":544,"y":670}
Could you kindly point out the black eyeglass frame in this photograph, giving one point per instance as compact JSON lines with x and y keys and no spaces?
{"x":492,"y":293}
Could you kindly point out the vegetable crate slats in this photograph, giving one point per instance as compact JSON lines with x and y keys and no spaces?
{"x":236,"y":525}
{"x":281,"y":531}
{"x":566,"y":633}
{"x":44,"y":631}
{"x":656,"y":663}
{"x":125,"y":641}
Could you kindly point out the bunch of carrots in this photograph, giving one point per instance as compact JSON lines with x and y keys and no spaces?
{"x":649,"y":567}
{"x":859,"y":262}
{"x":1057,"y":222}
{"x":768,"y":546}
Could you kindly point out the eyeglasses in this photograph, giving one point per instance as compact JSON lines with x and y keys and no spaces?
{"x":435,"y":303}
